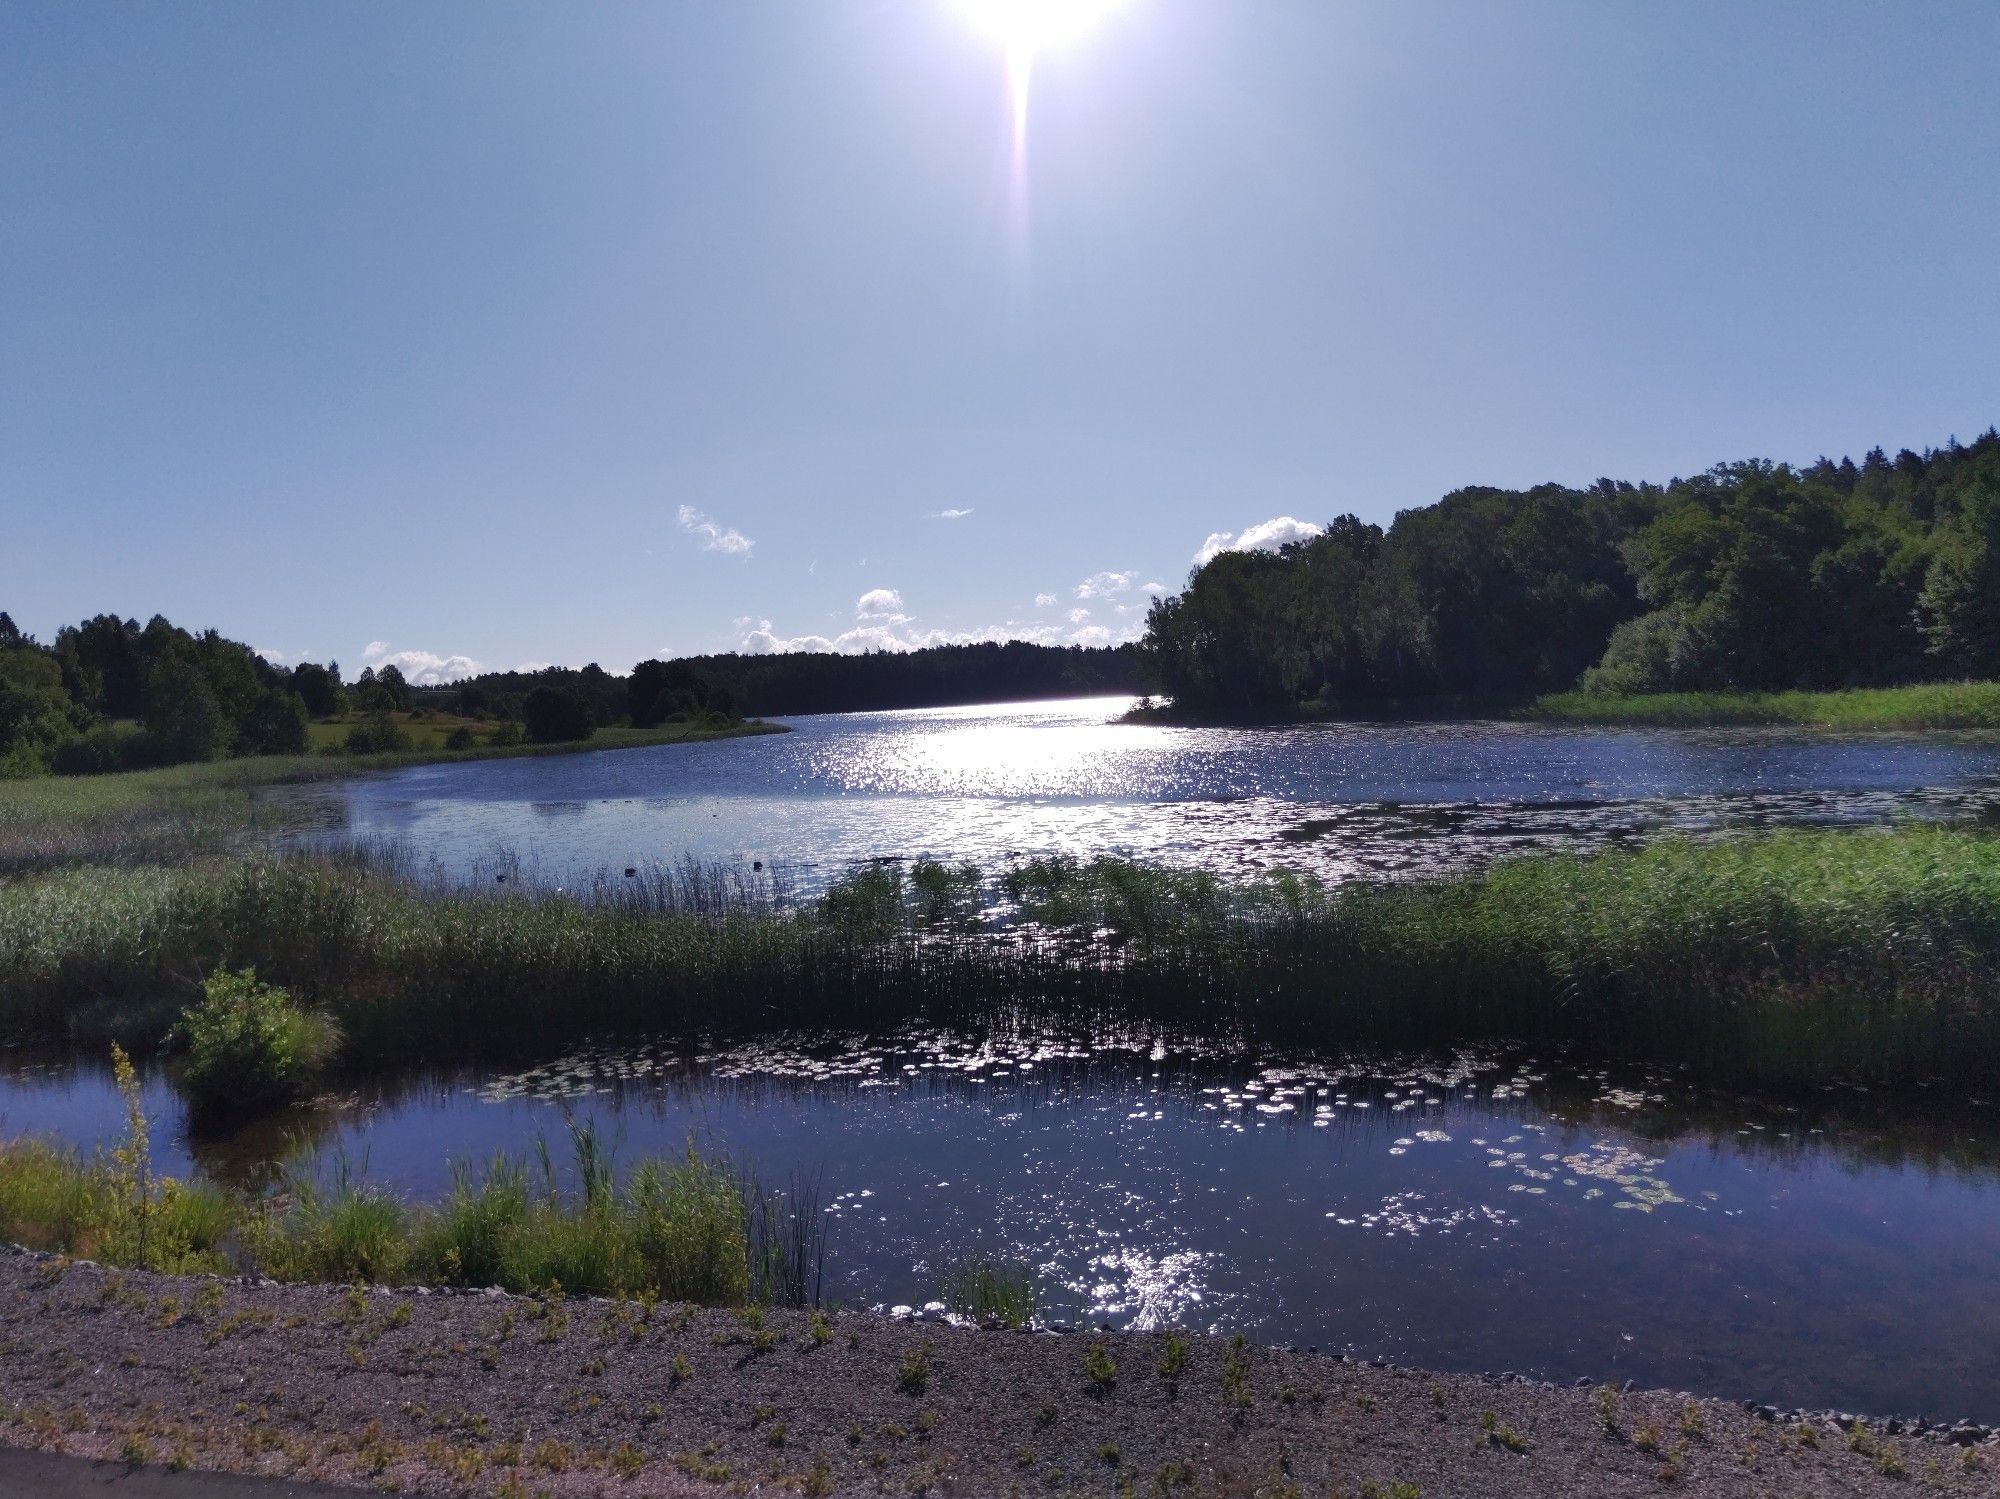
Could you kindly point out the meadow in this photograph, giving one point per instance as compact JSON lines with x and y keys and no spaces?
{"x":1923,"y":706}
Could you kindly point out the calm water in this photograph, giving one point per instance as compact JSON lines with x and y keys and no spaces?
{"x":989,"y":784}
{"x":1465,"y":1212}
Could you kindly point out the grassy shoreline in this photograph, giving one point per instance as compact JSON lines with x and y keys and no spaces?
{"x":1779,"y":961}
{"x":1921,"y":706}
{"x":180,"y":813}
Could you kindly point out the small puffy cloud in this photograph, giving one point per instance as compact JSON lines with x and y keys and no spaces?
{"x":1043,"y":600}
{"x":1092,"y":635}
{"x":1103,"y":585}
{"x":1078,"y":616}
{"x":529,"y":667}
{"x":949,"y":514}
{"x":715,"y":537}
{"x":1265,"y":536}
{"x":276,"y":658}
{"x":420,"y":668}
{"x":879,"y":601}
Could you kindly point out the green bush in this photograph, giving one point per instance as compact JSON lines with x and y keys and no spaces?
{"x":378,"y":734}
{"x":248,"y":1046}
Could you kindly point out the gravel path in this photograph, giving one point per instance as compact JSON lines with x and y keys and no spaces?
{"x":491,"y":1394}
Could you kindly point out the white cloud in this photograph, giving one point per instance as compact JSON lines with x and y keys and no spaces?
{"x":1103,"y":585}
{"x":1078,"y":616}
{"x":420,"y":668}
{"x":715,"y":537}
{"x":879,"y":601}
{"x":529,"y":667}
{"x":949,"y":514}
{"x":899,"y":633}
{"x":1265,"y":536}
{"x":276,"y":658}
{"x":1043,"y":600}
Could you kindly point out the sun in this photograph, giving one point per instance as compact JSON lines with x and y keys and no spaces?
{"x":1025,"y":27}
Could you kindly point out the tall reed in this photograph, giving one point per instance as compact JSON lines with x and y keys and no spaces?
{"x":1788,"y":959}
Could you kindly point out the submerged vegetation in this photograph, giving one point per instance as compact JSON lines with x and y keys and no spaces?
{"x":1922,"y":706}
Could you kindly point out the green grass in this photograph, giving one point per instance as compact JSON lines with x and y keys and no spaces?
{"x":675,"y":1230}
{"x":1930,"y":705}
{"x":987,"y":1291}
{"x":1786,"y":960}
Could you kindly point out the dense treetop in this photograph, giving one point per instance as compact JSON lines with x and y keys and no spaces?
{"x":1752,"y":575}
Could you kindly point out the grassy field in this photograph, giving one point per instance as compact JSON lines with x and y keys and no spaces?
{"x":1930,"y":705}
{"x":1784,"y":961}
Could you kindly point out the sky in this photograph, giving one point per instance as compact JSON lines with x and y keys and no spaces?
{"x":471,"y":335}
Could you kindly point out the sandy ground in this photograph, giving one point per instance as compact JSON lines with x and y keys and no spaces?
{"x":490,"y":1394}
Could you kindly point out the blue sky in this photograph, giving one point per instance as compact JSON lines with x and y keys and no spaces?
{"x":494,"y":334}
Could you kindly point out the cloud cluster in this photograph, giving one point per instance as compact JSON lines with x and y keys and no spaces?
{"x":420,"y":668}
{"x":881,"y":625}
{"x":1265,"y":536}
{"x":1104,"y":585}
{"x":715,"y":537}
{"x":1043,"y":600}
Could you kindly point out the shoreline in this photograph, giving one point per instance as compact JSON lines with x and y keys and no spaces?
{"x":438,"y":1392}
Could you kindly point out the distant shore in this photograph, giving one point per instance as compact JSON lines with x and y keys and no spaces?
{"x":439,"y":1393}
{"x":1919,"y":707}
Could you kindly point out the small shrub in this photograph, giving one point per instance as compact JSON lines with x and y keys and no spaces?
{"x":248,"y":1046}
{"x":913,"y":1375}
{"x":1098,"y":1367}
{"x":1236,"y":1372}
{"x":1174,"y":1358}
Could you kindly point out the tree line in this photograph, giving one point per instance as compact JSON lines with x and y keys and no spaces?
{"x":732,"y":684}
{"x":1752,"y":576}
{"x":112,"y":694}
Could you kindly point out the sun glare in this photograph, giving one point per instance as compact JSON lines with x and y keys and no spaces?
{"x":1026,"y":27}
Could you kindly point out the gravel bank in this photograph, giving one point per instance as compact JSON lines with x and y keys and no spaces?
{"x":491,"y":1394}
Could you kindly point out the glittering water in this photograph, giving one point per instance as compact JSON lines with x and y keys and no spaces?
{"x":993,"y":783}
{"x":1470,"y":1211}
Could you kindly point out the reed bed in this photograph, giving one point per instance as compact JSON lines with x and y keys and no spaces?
{"x":690,"y":1230}
{"x":1922,"y":706}
{"x":1787,"y":960}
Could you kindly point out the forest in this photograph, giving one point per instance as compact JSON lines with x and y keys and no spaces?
{"x":112,"y":694}
{"x":934,"y":677}
{"x":1753,"y":576}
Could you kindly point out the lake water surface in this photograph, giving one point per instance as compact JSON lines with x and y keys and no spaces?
{"x":1478,"y":1211}
{"x":991,"y":784}
{"x":1475,"y":1211}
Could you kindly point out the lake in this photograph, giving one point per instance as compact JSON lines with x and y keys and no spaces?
{"x":991,"y":784}
{"x":1477,"y":1211}
{"x":1474,"y":1211}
